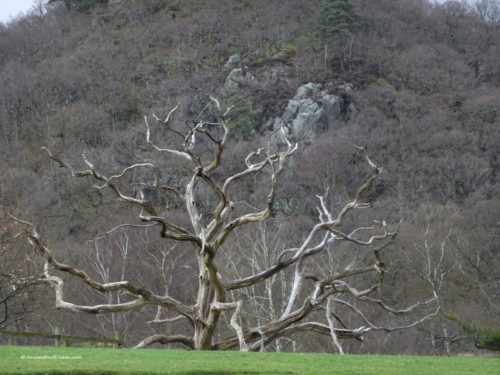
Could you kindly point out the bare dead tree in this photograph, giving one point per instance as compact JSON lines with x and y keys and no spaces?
{"x":312,"y":298}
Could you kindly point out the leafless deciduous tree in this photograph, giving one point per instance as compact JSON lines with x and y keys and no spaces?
{"x":313,"y":299}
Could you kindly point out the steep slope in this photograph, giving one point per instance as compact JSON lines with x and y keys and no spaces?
{"x":417,"y":85}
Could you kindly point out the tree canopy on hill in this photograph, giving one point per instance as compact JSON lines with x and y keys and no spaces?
{"x":84,"y":6}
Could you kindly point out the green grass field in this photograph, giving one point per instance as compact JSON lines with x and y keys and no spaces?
{"x":49,"y":360}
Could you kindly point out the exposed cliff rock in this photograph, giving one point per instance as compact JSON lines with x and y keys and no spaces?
{"x":311,"y":111}
{"x":239,"y":77}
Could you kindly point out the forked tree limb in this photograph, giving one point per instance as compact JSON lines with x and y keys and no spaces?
{"x":143,"y":296}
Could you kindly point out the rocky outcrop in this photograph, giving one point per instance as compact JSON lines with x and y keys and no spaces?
{"x":238,"y":78}
{"x":233,"y":61}
{"x":311,"y":111}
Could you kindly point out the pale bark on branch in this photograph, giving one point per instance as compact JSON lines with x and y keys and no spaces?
{"x":143,"y":296}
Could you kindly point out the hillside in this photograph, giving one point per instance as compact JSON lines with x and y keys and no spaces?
{"x":413,"y":82}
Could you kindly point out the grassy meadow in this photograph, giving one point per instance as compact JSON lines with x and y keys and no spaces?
{"x":50,"y":360}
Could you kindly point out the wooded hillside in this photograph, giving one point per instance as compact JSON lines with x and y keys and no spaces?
{"x":419,"y":89}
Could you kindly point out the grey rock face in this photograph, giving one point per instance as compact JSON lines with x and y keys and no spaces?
{"x":311,"y":111}
{"x":232,"y":61}
{"x":237,"y":78}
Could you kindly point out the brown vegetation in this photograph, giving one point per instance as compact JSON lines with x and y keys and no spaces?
{"x":425,"y":108}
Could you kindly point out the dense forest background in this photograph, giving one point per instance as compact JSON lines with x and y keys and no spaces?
{"x":420,"y":89}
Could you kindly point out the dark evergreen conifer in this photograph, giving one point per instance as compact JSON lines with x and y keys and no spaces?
{"x":335,"y":16}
